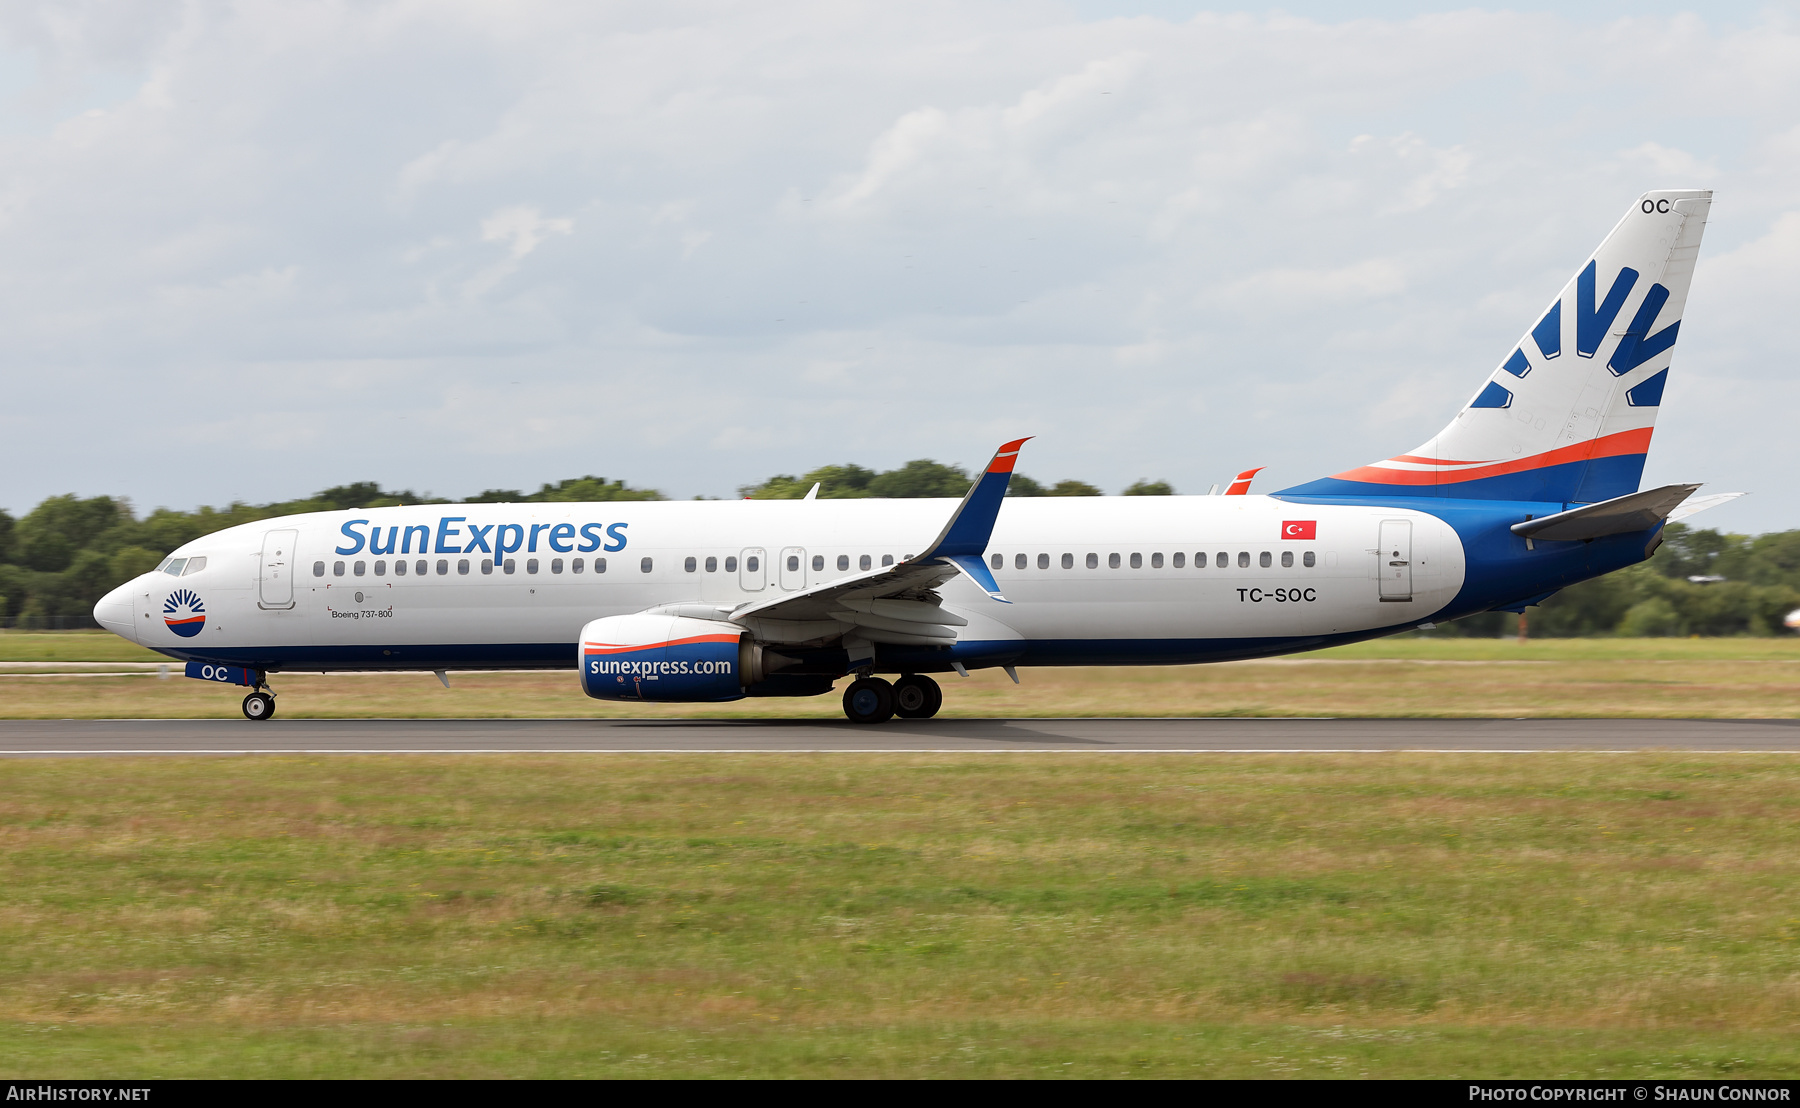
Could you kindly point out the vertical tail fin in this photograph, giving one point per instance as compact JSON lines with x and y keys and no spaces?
{"x":1568,"y":414}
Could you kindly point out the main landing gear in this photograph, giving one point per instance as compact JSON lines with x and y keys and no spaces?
{"x":872,"y":700}
{"x":259,"y":705}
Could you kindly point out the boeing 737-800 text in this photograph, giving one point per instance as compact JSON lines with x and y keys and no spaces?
{"x":1533,"y":486}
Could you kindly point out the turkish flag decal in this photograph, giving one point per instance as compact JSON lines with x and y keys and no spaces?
{"x":1300,"y":529}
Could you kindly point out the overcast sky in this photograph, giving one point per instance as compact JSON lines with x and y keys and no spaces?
{"x":249,"y":250}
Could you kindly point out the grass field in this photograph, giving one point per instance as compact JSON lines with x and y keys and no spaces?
{"x":1718,"y":678}
{"x":883,"y":915}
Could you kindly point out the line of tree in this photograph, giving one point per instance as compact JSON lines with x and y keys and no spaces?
{"x":920,"y":477}
{"x":1700,"y":582}
{"x":63,"y":555}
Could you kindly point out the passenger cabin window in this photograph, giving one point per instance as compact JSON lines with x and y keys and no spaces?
{"x":511,"y":565}
{"x":419,"y":567}
{"x":1308,"y":560}
{"x":730,"y":564}
{"x":712,"y":565}
{"x":462,"y":565}
{"x":360,"y":568}
{"x":690,"y":564}
{"x":1018,"y":561}
{"x":818,"y":562}
{"x":1112,"y":561}
{"x":1043,"y":561}
{"x":1068,"y":561}
{"x":531,"y":565}
{"x":337,"y":569}
{"x":578,"y":565}
{"x":1137,"y":560}
{"x":556,"y":565}
{"x":194,"y":565}
{"x":752,"y":564}
{"x":443,"y":566}
{"x":487,"y":565}
{"x":998,"y":561}
{"x":843,"y":562}
{"x":1093,"y":561}
{"x":1178,"y":560}
{"x":649,"y":564}
{"x":1156,"y":561}
{"x":793,"y":563}
{"x":1287,"y":559}
{"x":381,"y":567}
{"x":599,"y":565}
{"x":864,"y":562}
{"x":887,"y":559}
{"x":1222,"y":560}
{"x":399,"y":568}
{"x":318,"y":569}
{"x":1263,"y":559}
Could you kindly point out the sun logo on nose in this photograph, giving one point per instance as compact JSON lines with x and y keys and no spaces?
{"x":184,"y":614}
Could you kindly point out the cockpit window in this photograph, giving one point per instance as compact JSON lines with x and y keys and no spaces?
{"x":194,"y":565}
{"x":173,"y":566}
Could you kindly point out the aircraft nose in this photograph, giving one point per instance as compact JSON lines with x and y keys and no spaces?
{"x":114,"y":612}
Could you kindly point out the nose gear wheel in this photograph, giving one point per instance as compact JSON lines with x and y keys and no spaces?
{"x":259,"y":706}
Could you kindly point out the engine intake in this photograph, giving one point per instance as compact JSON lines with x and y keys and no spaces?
{"x":662,"y":657}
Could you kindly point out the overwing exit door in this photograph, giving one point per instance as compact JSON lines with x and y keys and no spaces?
{"x":276,"y":582}
{"x":793,"y":568}
{"x":751,"y":573}
{"x":1394,"y":560}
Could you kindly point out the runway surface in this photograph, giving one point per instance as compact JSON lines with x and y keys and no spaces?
{"x":401,"y":736}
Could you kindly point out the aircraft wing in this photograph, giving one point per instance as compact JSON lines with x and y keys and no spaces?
{"x":895,"y":604}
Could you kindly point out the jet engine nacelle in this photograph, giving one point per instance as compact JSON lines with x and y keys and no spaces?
{"x":661,"y":657}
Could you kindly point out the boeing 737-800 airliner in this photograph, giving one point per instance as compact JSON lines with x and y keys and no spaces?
{"x":1533,"y":486}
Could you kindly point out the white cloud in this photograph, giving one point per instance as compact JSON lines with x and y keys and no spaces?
{"x":522,"y":228}
{"x":1274,"y":289}
{"x":715,"y":241}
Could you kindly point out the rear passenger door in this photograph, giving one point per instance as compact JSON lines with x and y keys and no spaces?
{"x":1395,"y":560}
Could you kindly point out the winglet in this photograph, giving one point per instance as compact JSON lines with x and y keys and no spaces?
{"x":977,"y":571}
{"x":964,"y":539}
{"x":1241,"y":486}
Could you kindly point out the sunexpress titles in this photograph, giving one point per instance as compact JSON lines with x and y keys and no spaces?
{"x":456,"y":535}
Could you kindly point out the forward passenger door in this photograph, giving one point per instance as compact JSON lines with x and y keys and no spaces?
{"x":275,"y":583}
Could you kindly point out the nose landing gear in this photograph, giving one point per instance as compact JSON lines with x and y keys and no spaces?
{"x":259,"y":705}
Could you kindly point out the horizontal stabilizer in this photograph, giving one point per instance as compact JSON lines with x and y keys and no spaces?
{"x":1638,"y":511}
{"x":1697,"y":504}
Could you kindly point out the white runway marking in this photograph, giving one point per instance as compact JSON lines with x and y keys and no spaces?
{"x":1237,"y":736}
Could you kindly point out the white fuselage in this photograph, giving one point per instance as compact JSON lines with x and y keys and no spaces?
{"x":1134,"y":579}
